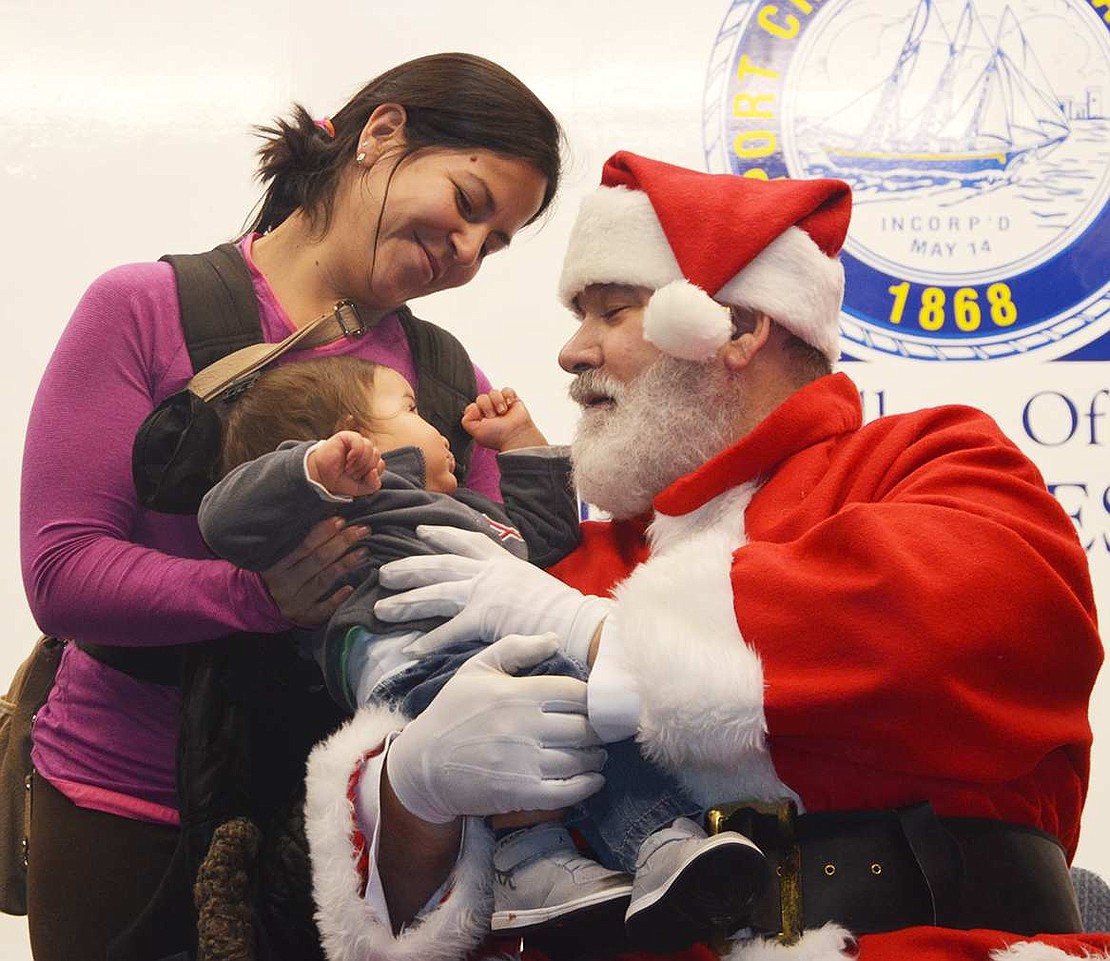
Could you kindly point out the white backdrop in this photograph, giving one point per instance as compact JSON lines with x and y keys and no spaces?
{"x":124,"y":134}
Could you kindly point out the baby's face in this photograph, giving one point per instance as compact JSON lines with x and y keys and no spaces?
{"x":398,"y":424}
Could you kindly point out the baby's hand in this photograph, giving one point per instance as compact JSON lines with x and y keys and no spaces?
{"x":499,"y":420}
{"x":346,"y":464}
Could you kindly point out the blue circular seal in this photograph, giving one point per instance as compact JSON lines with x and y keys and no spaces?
{"x":976,"y":137}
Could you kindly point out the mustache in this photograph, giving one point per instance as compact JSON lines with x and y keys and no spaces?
{"x":591,"y":384}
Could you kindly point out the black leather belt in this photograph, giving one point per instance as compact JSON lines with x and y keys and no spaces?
{"x":874,"y":871}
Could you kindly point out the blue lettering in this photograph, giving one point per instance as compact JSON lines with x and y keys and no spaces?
{"x":1056,"y":403}
{"x":1076,"y":495}
{"x":1095,"y":412}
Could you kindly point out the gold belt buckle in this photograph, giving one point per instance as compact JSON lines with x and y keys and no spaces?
{"x":789,"y":870}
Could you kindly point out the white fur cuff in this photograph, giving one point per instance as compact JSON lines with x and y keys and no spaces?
{"x":700,"y":684}
{"x":351,"y":928}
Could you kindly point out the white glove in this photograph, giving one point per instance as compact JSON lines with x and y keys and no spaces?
{"x":490,"y":743}
{"x":487,"y":592}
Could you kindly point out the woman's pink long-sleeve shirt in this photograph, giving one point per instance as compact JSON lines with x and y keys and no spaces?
{"x":99,"y":568}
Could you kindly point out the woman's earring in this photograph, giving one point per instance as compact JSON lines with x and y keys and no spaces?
{"x":360,"y":158}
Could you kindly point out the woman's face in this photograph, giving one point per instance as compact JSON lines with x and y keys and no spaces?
{"x":445,"y":210}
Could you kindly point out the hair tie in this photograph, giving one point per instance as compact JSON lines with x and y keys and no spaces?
{"x":327,"y":126}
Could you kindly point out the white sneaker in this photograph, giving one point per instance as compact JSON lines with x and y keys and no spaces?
{"x":542,"y":883}
{"x":690,"y":888}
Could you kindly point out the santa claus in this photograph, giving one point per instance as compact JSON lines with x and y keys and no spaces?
{"x":867,"y":648}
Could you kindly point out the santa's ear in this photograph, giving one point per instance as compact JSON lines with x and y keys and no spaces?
{"x":751,"y":331}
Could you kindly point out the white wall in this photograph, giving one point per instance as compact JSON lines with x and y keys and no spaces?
{"x":124,"y":134}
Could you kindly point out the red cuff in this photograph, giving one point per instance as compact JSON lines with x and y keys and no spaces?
{"x":358,"y":839}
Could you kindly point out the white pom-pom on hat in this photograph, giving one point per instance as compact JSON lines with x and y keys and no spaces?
{"x":684,"y":321}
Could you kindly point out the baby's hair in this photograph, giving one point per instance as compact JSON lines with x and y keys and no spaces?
{"x":302,"y":400}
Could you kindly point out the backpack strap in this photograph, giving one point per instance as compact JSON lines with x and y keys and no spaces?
{"x":219,"y":310}
{"x":219,"y":315}
{"x":445,"y":382}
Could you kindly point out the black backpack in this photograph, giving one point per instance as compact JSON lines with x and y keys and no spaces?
{"x":176,"y":448}
{"x":252,"y":706}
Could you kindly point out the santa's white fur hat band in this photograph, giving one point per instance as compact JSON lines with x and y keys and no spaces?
{"x":703,"y":240}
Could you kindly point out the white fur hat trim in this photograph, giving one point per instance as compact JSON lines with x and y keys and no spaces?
{"x":616,"y":239}
{"x":795,"y":283}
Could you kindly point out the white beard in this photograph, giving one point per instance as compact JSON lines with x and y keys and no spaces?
{"x":666,"y":423}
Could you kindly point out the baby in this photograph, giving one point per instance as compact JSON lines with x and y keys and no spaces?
{"x":303,"y":444}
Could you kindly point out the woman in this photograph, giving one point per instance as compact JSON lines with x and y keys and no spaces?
{"x":428,"y":169}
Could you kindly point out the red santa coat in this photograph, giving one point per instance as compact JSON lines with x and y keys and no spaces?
{"x":900,"y":612}
{"x":861,"y":617}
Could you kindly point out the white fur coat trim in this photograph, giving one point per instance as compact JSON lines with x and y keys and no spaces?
{"x":829,"y":943}
{"x":700,"y":684}
{"x":350,"y":927}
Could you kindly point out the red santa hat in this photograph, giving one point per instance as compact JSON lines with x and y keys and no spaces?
{"x":703,"y":240}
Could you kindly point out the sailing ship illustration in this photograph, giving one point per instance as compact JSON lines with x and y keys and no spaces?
{"x":957,"y":106}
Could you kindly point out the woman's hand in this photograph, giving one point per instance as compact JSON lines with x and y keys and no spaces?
{"x":300,"y":583}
